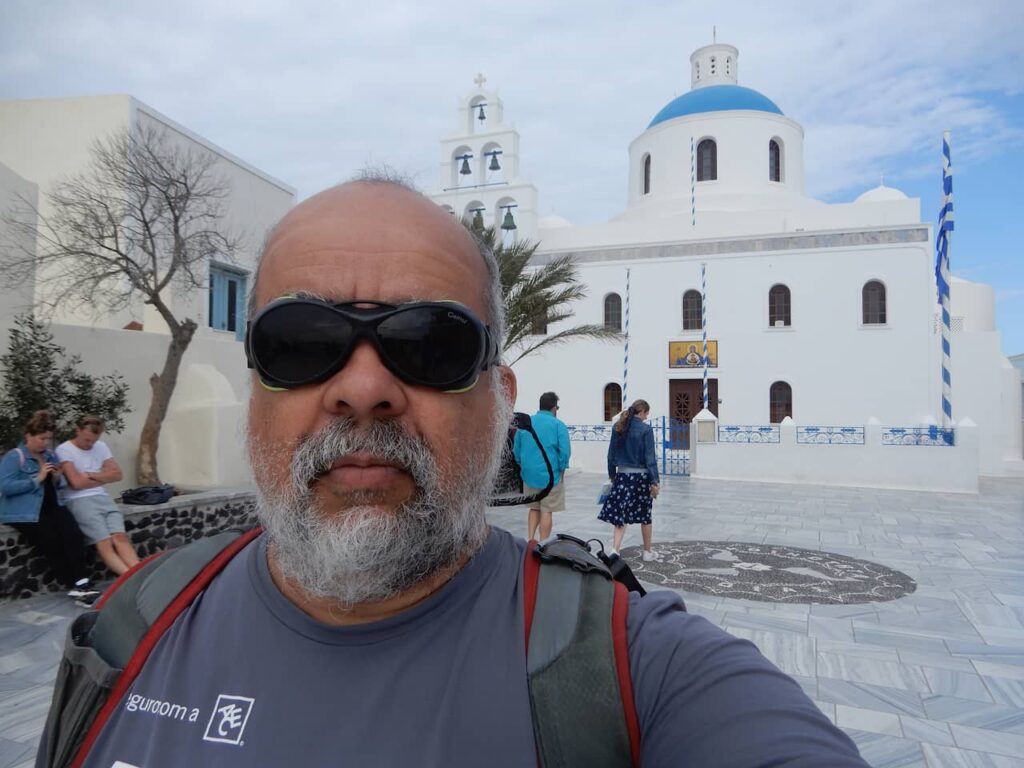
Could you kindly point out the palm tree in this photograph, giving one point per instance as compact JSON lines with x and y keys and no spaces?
{"x":535,"y":297}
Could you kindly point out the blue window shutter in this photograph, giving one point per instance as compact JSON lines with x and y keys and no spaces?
{"x":219,"y":293}
{"x":242,"y":302}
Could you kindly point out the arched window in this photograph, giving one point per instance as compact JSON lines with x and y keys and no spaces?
{"x":707,"y":160}
{"x":691,"y":311}
{"x":647,"y":174}
{"x":778,"y":306}
{"x":613,"y":312}
{"x":780,"y":402}
{"x":873,"y":303}
{"x":612,"y":401}
{"x":774,"y":161}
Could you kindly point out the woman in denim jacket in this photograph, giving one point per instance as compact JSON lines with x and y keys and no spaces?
{"x":633,"y":470}
{"x":30,"y":477}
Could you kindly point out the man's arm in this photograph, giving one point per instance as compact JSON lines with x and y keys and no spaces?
{"x":707,"y":698}
{"x":110,"y":472}
{"x":78,"y":480}
{"x":564,"y":447}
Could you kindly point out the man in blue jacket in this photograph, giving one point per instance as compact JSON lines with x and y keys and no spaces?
{"x":555,"y":439}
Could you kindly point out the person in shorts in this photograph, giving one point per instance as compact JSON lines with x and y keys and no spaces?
{"x":555,"y":438}
{"x":89,"y":465}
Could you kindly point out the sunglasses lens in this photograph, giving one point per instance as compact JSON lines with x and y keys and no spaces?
{"x":436,"y":345}
{"x":297,"y":343}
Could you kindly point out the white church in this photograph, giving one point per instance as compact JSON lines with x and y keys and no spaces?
{"x":819,"y":314}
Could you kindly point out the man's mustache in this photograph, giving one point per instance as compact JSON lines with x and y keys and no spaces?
{"x":385,"y":441}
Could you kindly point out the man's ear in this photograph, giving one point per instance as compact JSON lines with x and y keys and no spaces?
{"x":508,"y":383}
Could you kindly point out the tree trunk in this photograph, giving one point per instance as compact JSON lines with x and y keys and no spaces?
{"x":163,"y":387}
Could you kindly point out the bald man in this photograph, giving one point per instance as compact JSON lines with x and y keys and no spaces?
{"x":378,"y":620}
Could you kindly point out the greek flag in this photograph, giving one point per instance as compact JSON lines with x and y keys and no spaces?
{"x":945,"y":223}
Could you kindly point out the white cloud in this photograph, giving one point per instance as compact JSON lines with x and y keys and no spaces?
{"x":310,"y":91}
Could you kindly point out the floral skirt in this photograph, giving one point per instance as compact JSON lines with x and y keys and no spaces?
{"x":629,"y":501}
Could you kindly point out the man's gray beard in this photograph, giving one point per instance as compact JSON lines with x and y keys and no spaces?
{"x":364,"y":553}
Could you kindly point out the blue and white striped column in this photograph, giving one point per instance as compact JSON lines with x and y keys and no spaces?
{"x":942,"y":278}
{"x":625,"y":355}
{"x":704,"y":326}
{"x":693,"y":184}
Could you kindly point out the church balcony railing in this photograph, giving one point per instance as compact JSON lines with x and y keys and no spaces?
{"x":735,"y":433}
{"x":830,"y":435}
{"x":918,"y":436}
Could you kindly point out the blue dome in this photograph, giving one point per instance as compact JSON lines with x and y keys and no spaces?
{"x":715,"y":98}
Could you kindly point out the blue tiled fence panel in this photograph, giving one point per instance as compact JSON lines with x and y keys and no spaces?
{"x":830,"y":435}
{"x":748,"y":433}
{"x":918,"y":436}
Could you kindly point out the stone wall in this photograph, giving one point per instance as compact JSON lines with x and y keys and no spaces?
{"x":23,"y":573}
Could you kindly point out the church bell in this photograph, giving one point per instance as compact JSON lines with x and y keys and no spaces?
{"x":508,"y":223}
{"x":494,"y":162}
{"x":464,"y":170}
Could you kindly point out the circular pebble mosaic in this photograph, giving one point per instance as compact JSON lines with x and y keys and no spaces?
{"x":768,"y":572}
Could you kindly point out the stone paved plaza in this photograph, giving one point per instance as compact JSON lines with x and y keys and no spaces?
{"x":934,"y":678}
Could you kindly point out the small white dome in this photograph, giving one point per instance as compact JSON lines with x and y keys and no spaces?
{"x":881,"y":194}
{"x":552,"y":222}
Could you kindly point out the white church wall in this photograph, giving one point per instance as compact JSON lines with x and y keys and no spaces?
{"x":742,"y":145}
{"x":841,"y":371}
{"x":870,"y":465}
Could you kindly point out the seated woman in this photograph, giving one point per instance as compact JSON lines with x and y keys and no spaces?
{"x":30,"y":476}
{"x":89,"y":465}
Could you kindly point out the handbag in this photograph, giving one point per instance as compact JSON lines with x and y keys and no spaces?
{"x":148,"y":494}
{"x":606,"y":489}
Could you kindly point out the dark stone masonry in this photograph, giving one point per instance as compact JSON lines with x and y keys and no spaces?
{"x":184,"y":518}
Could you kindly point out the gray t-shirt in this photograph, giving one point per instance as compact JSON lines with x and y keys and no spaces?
{"x":244,"y":678}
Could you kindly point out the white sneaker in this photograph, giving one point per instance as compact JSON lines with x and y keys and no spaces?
{"x":649,"y":556}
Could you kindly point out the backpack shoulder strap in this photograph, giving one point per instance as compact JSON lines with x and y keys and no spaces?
{"x":21,"y":458}
{"x":143,"y":604}
{"x":581,"y":694}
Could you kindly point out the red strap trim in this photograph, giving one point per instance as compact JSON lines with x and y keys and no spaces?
{"x":109,"y":591}
{"x":620,"y":609}
{"x":531,"y":572}
{"x":156,"y":631}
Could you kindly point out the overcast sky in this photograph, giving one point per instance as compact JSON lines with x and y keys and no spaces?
{"x":312,"y":91}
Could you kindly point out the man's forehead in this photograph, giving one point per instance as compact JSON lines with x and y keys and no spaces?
{"x":369,"y":217}
{"x":373,"y":227}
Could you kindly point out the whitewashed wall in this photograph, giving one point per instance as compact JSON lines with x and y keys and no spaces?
{"x":202,"y":441}
{"x":871,"y":465}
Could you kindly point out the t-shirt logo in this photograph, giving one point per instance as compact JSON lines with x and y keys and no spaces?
{"x":228,"y":719}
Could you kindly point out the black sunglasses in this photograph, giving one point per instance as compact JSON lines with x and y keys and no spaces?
{"x":298,"y":341}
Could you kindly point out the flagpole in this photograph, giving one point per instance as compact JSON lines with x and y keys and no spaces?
{"x":942,"y":279}
{"x":625,"y":355}
{"x":704,"y":326}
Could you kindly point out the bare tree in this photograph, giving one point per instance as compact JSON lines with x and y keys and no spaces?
{"x":141,"y":222}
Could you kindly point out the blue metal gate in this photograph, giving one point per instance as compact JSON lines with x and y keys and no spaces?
{"x":673,"y":447}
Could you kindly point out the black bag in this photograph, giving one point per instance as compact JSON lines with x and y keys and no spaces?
{"x":148,"y":494}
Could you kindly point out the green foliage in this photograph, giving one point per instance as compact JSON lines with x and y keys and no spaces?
{"x":536,"y":297}
{"x":37,"y":373}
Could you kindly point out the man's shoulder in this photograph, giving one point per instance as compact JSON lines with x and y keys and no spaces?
{"x":65,"y":449}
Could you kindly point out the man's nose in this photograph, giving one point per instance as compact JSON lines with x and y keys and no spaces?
{"x":364,"y":389}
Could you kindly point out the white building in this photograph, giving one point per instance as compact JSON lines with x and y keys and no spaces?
{"x":823,"y":312}
{"x":480,"y":177}
{"x":45,"y":140}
